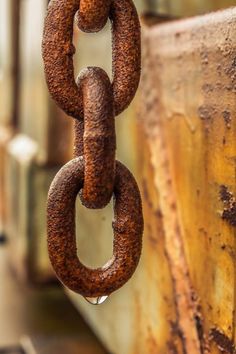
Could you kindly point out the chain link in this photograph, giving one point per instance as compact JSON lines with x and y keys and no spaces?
{"x":58,"y":51}
{"x":99,"y":140}
{"x":61,"y":232}
{"x":93,"y":174}
{"x":93,"y":14}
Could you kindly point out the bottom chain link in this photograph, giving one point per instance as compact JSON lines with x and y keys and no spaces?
{"x":127,"y":226}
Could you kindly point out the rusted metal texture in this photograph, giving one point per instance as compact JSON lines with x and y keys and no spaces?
{"x":58,"y":51}
{"x":189,"y":115}
{"x":99,"y":141}
{"x":94,"y":101}
{"x":182,"y":299}
{"x":78,"y":138}
{"x":128,"y":227}
{"x":93,"y":14}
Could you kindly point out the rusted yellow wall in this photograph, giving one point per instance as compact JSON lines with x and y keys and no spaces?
{"x":189,"y":116}
{"x":182,"y":297}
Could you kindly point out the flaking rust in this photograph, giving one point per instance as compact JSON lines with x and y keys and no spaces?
{"x":222,"y":341}
{"x":193,"y":56}
{"x":185,"y":336}
{"x":229,"y":211}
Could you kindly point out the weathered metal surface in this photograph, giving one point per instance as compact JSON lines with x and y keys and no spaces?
{"x":182,"y":300}
{"x":96,"y":174}
{"x":97,"y":137}
{"x":128,"y":228}
{"x":93,"y":14}
{"x":197,"y":128}
{"x":58,"y":51}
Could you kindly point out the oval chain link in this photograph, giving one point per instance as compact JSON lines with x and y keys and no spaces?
{"x":58,"y":51}
{"x":127,"y":228}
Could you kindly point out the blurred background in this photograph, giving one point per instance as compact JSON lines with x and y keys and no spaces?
{"x":36,"y":138}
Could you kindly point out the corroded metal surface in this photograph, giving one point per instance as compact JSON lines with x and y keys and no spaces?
{"x":94,"y":102}
{"x":99,"y":141}
{"x":229,"y":202}
{"x":128,"y":228}
{"x":93,"y":14}
{"x":58,"y":51}
{"x":186,"y":156}
{"x":193,"y":64}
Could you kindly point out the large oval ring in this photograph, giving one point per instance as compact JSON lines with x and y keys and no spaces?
{"x":127,"y":226}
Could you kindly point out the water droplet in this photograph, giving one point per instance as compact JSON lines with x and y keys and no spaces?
{"x":96,"y":300}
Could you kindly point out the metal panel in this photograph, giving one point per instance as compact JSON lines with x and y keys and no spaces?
{"x":182,"y":298}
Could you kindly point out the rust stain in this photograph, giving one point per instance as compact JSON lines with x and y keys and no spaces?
{"x":185,"y":326}
{"x":177,"y":333}
{"x":231,"y":70}
{"x":223,"y":342}
{"x":170,"y":145}
{"x":229,"y":212}
{"x":204,"y":345}
{"x":146,"y":194}
{"x":227,"y":118}
{"x":147,"y":198}
{"x":151,"y":343}
{"x":230,"y":250}
{"x":174,"y":252}
{"x":206,"y":112}
{"x":172,"y":349}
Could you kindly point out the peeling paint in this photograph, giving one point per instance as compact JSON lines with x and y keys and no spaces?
{"x":229,"y":211}
{"x":223,"y":342}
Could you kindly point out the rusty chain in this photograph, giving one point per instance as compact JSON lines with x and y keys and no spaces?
{"x":94,"y":173}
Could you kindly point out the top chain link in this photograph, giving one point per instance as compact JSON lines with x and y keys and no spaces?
{"x":58,"y":51}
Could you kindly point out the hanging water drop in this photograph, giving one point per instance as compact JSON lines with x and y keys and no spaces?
{"x":96,"y":300}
